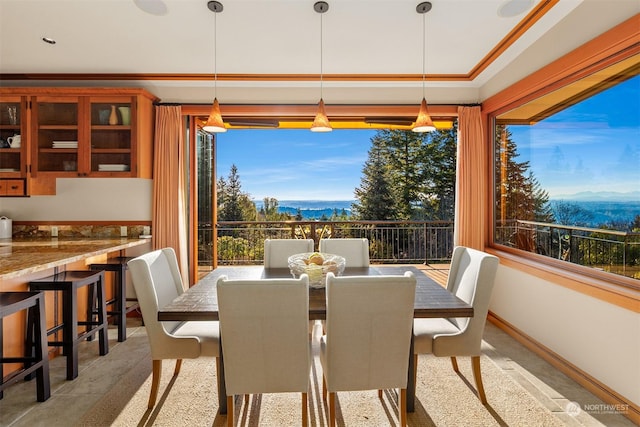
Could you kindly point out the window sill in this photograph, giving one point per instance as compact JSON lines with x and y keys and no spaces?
{"x":613,"y":289}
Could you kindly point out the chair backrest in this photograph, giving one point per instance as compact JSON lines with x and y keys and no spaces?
{"x":354,"y":251}
{"x":368,"y":331}
{"x":157,"y":281}
{"x":278,"y":251}
{"x":471,"y":278}
{"x":265,"y":337}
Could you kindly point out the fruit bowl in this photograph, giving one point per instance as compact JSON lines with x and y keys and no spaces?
{"x":316,"y":265}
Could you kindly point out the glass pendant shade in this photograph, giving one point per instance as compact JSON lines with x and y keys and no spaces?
{"x":321,"y":122}
{"x":214,"y":122}
{"x":423,"y":122}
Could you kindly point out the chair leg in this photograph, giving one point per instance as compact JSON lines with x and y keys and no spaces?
{"x":155,"y":382}
{"x":332,"y":409}
{"x":415,"y":369}
{"x":380,"y":394}
{"x":305,"y":420}
{"x":454,"y":363}
{"x":475,"y":364}
{"x":324,"y":389}
{"x":230,"y":411}
{"x":176,"y":370}
{"x":402,"y":407}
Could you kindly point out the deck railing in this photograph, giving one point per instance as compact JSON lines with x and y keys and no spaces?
{"x":390,"y":241}
{"x":418,"y":242}
{"x":609,"y":250}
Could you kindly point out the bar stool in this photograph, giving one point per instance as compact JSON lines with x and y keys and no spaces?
{"x":68,"y":282}
{"x":118,"y":266}
{"x":33,"y":361}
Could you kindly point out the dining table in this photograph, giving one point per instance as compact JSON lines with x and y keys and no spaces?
{"x":200,"y":303}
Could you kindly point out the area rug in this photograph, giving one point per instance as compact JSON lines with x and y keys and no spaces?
{"x":444,"y":398}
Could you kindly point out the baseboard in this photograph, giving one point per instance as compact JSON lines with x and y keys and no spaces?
{"x":599,"y":389}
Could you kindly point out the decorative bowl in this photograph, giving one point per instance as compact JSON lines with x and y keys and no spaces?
{"x":316,"y":265}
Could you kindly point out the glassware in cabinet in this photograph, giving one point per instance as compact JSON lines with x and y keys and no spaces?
{"x":12,"y":138}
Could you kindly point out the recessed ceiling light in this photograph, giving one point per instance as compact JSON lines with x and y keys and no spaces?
{"x":153,"y":7}
{"x":48,"y":40}
{"x":511,"y":8}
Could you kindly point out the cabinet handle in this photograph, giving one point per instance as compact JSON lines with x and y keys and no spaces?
{"x":14,"y":187}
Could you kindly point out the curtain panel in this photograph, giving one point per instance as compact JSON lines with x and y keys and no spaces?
{"x":169,"y":192}
{"x":471,"y":180}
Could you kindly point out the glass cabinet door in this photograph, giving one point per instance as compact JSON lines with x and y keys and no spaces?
{"x":57,"y":135}
{"x":12,"y":145}
{"x":111,"y":136}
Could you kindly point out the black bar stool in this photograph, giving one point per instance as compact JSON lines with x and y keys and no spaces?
{"x":36,"y":339}
{"x":118,"y":266}
{"x":68,"y":283}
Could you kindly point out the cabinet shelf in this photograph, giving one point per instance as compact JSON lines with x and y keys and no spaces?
{"x":111,"y":127}
{"x":58,"y":127}
{"x":111,"y":150}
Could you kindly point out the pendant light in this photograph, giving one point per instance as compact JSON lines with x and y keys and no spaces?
{"x":423,"y":122}
{"x":214,"y":122}
{"x":321,"y":122}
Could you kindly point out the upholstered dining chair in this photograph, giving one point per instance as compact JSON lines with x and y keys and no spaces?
{"x":263,"y":327}
{"x":368,"y":336}
{"x":471,"y":278}
{"x":278,"y":251}
{"x":354,"y":251}
{"x":157,"y":281}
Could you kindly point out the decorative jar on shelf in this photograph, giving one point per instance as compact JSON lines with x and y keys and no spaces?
{"x":125,"y":113}
{"x":113,"y":117}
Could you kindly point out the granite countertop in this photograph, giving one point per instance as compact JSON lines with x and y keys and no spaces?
{"x":25,"y":256}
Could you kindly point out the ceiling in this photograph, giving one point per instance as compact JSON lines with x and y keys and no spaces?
{"x":269,"y":51}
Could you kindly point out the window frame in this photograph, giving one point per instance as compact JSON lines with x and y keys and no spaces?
{"x":618,"y":44}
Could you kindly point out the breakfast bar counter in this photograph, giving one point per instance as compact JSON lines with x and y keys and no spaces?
{"x":23,"y":257}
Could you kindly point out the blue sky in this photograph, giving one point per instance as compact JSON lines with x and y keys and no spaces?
{"x":295,"y":164}
{"x":591,"y":146}
{"x":583,"y":148}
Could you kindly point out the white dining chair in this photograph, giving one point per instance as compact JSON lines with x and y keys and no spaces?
{"x":368,"y":336}
{"x":471,"y":278}
{"x":265,"y":347}
{"x":157,"y":281}
{"x":278,"y":251}
{"x":355,"y":251}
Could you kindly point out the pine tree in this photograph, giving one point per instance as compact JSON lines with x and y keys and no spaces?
{"x":233,"y":204}
{"x":375,"y":201}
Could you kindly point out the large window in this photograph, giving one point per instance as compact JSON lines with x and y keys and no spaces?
{"x":567,"y":172}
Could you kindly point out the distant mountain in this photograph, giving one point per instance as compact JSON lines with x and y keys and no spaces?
{"x":600,"y":196}
{"x":311,"y":209}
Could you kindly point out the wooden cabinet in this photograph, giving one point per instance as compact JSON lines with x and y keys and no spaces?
{"x":13,"y":123}
{"x":12,"y":187}
{"x":78,"y":132}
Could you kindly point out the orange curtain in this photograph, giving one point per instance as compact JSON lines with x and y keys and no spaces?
{"x":471,"y":180}
{"x":169,"y":213}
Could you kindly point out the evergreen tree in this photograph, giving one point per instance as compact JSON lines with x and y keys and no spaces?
{"x":233,"y":204}
{"x":374,"y":198}
{"x":518,"y":193}
{"x":439,"y":175}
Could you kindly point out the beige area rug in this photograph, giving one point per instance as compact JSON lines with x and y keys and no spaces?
{"x":443,"y":399}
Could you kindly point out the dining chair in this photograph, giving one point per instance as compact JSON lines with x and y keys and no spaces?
{"x":265,"y":346}
{"x":278,"y":251}
{"x":471,"y":278}
{"x":355,"y":251}
{"x":157,"y":281}
{"x":368,"y":336}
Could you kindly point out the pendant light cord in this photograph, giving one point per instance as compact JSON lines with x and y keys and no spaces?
{"x":424,"y":55}
{"x":321,"y":49}
{"x":215,"y":55}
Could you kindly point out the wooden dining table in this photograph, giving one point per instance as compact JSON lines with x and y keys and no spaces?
{"x":200,"y":303}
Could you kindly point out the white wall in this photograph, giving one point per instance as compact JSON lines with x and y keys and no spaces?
{"x":85,"y":199}
{"x":600,"y":338}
